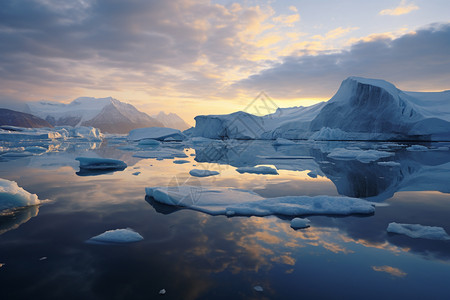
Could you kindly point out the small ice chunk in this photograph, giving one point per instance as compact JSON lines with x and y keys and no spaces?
{"x":312,"y":174}
{"x":180,"y":161}
{"x":419,"y":231}
{"x":136,"y":173}
{"x":12,"y":196}
{"x":94,"y":163}
{"x":298,"y":223}
{"x":258,"y":170}
{"x":388,"y":163}
{"x":43,"y":258}
{"x":162,"y":292}
{"x":258,"y":288}
{"x":117,"y":236}
{"x":202,"y":173}
{"x":417,"y":148}
{"x":443,"y":148}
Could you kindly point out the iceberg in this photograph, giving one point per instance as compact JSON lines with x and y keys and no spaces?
{"x":96,"y":163}
{"x":155,"y":133}
{"x":299,"y":223}
{"x":202,"y":173}
{"x":419,"y":231}
{"x":258,"y":170}
{"x":12,"y":196}
{"x":117,"y":236}
{"x":237,"y":202}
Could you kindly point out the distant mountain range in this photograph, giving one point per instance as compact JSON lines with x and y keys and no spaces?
{"x":171,"y":120}
{"x":20,"y":119}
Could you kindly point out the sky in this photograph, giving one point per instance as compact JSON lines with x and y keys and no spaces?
{"x":214,"y":57}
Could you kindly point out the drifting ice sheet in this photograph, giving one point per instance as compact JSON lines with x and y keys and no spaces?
{"x":364,"y":156}
{"x":12,"y":196}
{"x":230,"y":202}
{"x":117,"y":236}
{"x":258,"y":170}
{"x":419,"y":231}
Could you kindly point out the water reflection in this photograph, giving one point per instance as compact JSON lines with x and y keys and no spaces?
{"x":19,"y":217}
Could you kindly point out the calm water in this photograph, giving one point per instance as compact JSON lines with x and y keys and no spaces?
{"x":196,"y":256}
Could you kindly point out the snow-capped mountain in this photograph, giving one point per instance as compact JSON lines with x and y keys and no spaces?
{"x":20,"y":119}
{"x":107,"y":114}
{"x":362,"y":109}
{"x":171,"y":120}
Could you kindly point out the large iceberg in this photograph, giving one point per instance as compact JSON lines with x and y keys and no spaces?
{"x":12,"y":196}
{"x":237,"y":202}
{"x":362,"y":109}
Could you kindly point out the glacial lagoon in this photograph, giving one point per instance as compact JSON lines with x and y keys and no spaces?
{"x":194,"y":255}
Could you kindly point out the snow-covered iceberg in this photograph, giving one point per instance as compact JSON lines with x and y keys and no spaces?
{"x":419,"y":231}
{"x":237,"y":202}
{"x":155,"y":133}
{"x":117,"y":236}
{"x":12,"y":196}
{"x":362,"y":109}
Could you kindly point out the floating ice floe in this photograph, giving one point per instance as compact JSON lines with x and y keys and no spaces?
{"x":231,"y":202}
{"x":163,"y":153}
{"x":12,"y":196}
{"x":117,"y":236}
{"x":162,"y":292}
{"x":419,"y":231}
{"x":136,"y":173}
{"x":364,"y":156}
{"x":258,"y":288}
{"x":97,"y":163}
{"x":258,"y":170}
{"x":417,"y":148}
{"x":388,"y":163}
{"x":298,"y":223}
{"x":155,"y":133}
{"x":202,"y":173}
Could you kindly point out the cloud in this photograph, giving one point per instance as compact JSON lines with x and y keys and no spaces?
{"x":414,"y":61}
{"x":390,"y":270}
{"x":335,"y":33}
{"x":403,"y":8}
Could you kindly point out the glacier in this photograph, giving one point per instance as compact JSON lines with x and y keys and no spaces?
{"x":362,"y":109}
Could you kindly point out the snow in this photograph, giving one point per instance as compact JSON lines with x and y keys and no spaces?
{"x":117,"y":236}
{"x":97,"y":163}
{"x":155,"y":133}
{"x":202,"y":173}
{"x":298,"y":223}
{"x":237,"y":202}
{"x":388,"y":163}
{"x":419,"y":231}
{"x":12,"y":196}
{"x":364,"y":156}
{"x":362,"y":109}
{"x":164,"y":153}
{"x":258,"y":170}
{"x":417,"y":148}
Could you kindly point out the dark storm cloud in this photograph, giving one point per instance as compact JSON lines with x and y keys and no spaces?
{"x":412,"y":61}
